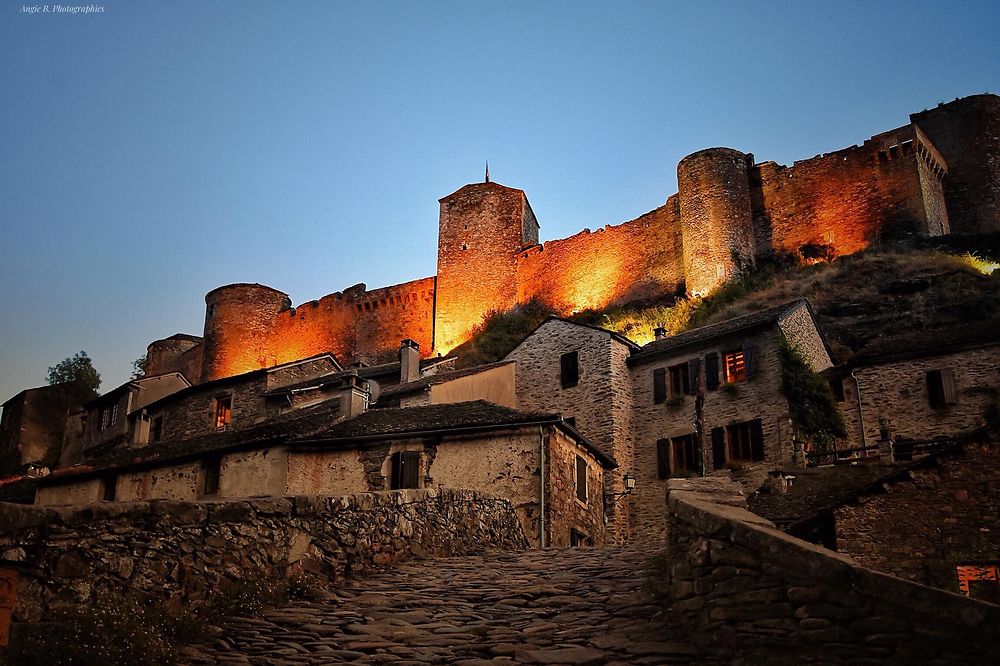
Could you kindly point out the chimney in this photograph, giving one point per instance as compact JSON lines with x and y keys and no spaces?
{"x":353,"y":396}
{"x":660,"y":333}
{"x":409,"y":361}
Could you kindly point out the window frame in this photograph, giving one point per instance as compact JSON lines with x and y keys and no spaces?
{"x":679,"y":379}
{"x":400,"y":464}
{"x":218,"y":422}
{"x":568,"y":378}
{"x":739,"y":363}
{"x":581,"y":470}
{"x":211,"y":476}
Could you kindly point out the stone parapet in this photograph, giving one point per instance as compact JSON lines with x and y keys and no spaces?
{"x":739,"y":586}
{"x":178,"y":553}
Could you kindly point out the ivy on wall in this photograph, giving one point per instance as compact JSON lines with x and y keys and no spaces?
{"x":810,"y":400}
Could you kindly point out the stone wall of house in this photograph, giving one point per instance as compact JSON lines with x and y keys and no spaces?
{"x":759,"y":397}
{"x":180,"y":553}
{"x":895,"y":395}
{"x":801,"y":332}
{"x":945,"y":515}
{"x":739,"y":586}
{"x":193,"y":414}
{"x":637,"y":259}
{"x":564,"y":511}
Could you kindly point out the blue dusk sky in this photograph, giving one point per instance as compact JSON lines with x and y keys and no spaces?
{"x":156,"y":150}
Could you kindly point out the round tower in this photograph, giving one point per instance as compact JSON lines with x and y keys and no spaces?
{"x":716,"y":217}
{"x":239,"y":321}
{"x":167,"y":355}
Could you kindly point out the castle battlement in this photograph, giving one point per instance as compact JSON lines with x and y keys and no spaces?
{"x":936,"y":174}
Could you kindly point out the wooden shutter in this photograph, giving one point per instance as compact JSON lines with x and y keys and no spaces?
{"x":659,"y":385}
{"x":935,"y":388}
{"x":410,"y":475}
{"x":712,"y":371}
{"x":756,"y":440}
{"x":662,"y":458}
{"x":569,"y":369}
{"x":581,"y":479}
{"x":948,"y":393}
{"x":694,"y":371}
{"x":750,"y":358}
{"x":718,"y":448}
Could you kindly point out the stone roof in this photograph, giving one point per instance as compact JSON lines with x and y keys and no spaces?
{"x":704,"y":334}
{"x":817,"y":490}
{"x":440,"y":378}
{"x":450,"y":418}
{"x":294,"y":424}
{"x":391,"y":370}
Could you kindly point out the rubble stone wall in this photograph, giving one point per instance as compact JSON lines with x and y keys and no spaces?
{"x":180,"y":552}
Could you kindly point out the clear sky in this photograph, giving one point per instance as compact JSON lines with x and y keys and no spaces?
{"x":156,"y":150}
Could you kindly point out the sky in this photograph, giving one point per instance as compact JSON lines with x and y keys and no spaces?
{"x":153,"y":151}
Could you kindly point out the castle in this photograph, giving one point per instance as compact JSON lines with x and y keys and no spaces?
{"x":939,"y":173}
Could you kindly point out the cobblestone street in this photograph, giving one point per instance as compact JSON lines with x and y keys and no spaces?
{"x":565,"y":606}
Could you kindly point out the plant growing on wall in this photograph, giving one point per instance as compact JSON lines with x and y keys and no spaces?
{"x":811,"y":403}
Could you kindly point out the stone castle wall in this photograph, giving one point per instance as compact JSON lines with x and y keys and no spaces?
{"x":179,"y":553}
{"x":939,"y":173}
{"x":740,"y":586}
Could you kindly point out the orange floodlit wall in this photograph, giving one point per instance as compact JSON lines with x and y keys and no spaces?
{"x":634,"y":260}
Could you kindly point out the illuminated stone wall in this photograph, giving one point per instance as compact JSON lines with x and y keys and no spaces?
{"x":634,"y":260}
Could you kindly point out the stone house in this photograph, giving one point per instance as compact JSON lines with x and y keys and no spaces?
{"x":33,"y":424}
{"x":919,"y":386}
{"x":552,"y":474}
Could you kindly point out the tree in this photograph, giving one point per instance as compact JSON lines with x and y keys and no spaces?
{"x":139,"y":367}
{"x":80,"y":371}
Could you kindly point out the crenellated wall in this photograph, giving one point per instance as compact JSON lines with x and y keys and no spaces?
{"x":940,"y":173}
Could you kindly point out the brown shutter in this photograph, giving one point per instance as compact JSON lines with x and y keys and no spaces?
{"x":718,"y":448}
{"x":756,"y":440}
{"x":659,"y":385}
{"x":712,"y":371}
{"x":581,"y":479}
{"x":694,"y":371}
{"x":662,"y":458}
{"x":948,"y":393}
{"x":750,"y":358}
{"x":935,"y":388}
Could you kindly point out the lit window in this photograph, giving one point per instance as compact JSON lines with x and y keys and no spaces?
{"x":735,"y":366}
{"x":223,"y":412}
{"x":980,"y":581}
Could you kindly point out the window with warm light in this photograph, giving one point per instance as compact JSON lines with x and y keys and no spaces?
{"x":223,"y":412}
{"x":734,"y":366}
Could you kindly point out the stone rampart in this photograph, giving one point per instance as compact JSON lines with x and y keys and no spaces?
{"x":741,"y":587}
{"x":180,"y":552}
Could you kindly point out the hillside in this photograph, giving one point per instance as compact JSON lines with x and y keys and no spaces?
{"x":893,"y":290}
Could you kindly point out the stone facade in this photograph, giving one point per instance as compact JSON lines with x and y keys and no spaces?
{"x":896,"y":395}
{"x":740,"y":587}
{"x":33,"y":424}
{"x":182,"y":553}
{"x":712,"y":416}
{"x":939,"y":173}
{"x":947,"y":514}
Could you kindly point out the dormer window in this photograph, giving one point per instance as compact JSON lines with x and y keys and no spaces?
{"x":223,"y":412}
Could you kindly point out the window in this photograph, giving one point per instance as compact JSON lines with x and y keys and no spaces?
{"x":156,"y":429}
{"x":712,"y":371}
{"x":941,"y":388}
{"x":746,"y":442}
{"x":659,"y":386}
{"x":581,"y":479}
{"x":980,"y":581}
{"x":114,"y":414}
{"x":569,"y":369}
{"x":578,"y":538}
{"x":211,"y":472}
{"x":105,"y":418}
{"x":223,"y":412}
{"x":686,"y":457}
{"x":109,"y":486}
{"x":734,"y":366}
{"x":837,"y":386}
{"x":405,"y":470}
{"x":679,"y":380}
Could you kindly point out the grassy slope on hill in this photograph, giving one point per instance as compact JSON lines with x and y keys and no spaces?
{"x":916,"y":286}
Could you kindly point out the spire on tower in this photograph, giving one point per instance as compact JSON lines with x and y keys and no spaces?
{"x":487,"y":172}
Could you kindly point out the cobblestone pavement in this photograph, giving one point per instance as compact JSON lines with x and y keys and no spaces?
{"x":557,"y":606}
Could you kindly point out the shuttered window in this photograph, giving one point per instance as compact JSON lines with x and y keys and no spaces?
{"x":581,"y":479}
{"x":734,"y":364}
{"x":679,"y":379}
{"x":746,"y":441}
{"x":405,"y":470}
{"x":941,"y":388}
{"x":663,"y":458}
{"x":659,"y":385}
{"x":685,"y":454}
{"x":712,"y":371}
{"x":718,"y":448}
{"x":569,"y":369}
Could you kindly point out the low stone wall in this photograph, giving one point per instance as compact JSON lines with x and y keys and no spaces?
{"x":748,"y":593}
{"x":180,"y":552}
